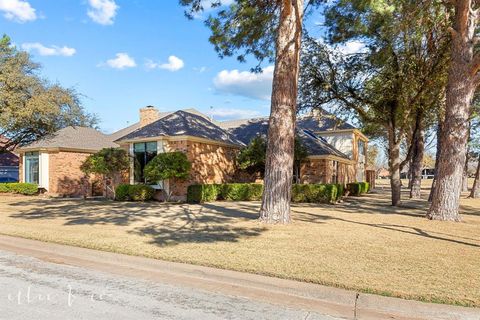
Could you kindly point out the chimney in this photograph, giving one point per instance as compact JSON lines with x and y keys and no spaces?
{"x":148,"y":115}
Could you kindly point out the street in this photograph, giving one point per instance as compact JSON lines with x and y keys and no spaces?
{"x":35,"y":289}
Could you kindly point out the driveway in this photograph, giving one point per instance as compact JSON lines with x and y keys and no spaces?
{"x":34,"y":289}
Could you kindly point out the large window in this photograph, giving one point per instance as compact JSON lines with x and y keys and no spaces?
{"x":143,"y":153}
{"x":32,"y":167}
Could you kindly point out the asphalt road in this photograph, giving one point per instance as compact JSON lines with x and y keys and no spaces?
{"x":36,"y":289}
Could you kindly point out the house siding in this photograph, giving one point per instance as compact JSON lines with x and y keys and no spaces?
{"x":211,"y":163}
{"x":322,"y":171}
{"x":66,"y":178}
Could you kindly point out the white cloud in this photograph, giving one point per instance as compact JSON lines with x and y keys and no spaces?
{"x":102,"y":11}
{"x":49,"y":51}
{"x":352,"y":47}
{"x":121,"y":61}
{"x":244,"y":83}
{"x":207,"y":7}
{"x":200,"y":69}
{"x":173,"y":64}
{"x":17,"y":10}
{"x":234,"y":113}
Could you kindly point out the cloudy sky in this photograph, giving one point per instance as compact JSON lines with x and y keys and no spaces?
{"x":122,"y":55}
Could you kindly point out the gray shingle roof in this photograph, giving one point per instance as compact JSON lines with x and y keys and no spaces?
{"x":317,"y":146}
{"x":246,"y":130}
{"x":122,"y":132}
{"x":322,"y":123}
{"x":183,"y":123}
{"x":74,"y":138}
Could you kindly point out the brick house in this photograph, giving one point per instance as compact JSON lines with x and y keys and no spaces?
{"x":8,"y":164}
{"x":54,"y":162}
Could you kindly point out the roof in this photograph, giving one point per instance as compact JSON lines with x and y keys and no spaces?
{"x":122,"y":132}
{"x":322,"y":121}
{"x":246,"y":130}
{"x":183,"y":123}
{"x":82,"y":138}
{"x":317,"y":146}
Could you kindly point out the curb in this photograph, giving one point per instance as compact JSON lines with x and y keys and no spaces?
{"x":311,"y":297}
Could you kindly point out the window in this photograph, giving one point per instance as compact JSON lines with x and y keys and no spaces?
{"x":32,"y":167}
{"x":335,"y":172}
{"x":361,"y":147}
{"x":143,"y":152}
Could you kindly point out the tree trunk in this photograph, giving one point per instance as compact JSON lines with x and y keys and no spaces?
{"x":459,"y":93}
{"x":417,"y":161}
{"x":465,"y":168}
{"x":394,"y":166}
{"x":439,"y":133}
{"x":475,"y":193}
{"x":281,"y":132}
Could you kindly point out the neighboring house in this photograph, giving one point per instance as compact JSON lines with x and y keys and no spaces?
{"x":8,"y":165}
{"x":211,"y":146}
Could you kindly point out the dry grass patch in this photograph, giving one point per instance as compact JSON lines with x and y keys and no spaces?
{"x":362,"y":244}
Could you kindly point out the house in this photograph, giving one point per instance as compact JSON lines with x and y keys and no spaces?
{"x":8,"y":165}
{"x":211,"y":146}
{"x":336,"y":150}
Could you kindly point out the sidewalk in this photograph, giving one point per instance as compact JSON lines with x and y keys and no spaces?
{"x":326,"y":300}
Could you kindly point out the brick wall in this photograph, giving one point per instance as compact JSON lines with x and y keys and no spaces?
{"x":316,"y":171}
{"x":65,"y":176}
{"x":210,"y":164}
{"x":322,"y":170}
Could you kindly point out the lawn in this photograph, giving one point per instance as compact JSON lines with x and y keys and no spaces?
{"x":362,"y":244}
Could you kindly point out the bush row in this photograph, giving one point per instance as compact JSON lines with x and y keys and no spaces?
{"x":19,"y":188}
{"x":358,"y":188}
{"x":199,"y":193}
{"x":134,"y":192}
{"x":316,"y":193}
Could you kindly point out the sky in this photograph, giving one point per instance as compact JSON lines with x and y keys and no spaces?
{"x":122,"y":55}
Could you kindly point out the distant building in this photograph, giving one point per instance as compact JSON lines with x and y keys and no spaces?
{"x":8,"y":165}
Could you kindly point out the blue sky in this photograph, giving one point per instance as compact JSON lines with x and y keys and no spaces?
{"x":124,"y":54}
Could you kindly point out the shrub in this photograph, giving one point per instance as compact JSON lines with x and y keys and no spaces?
{"x":317,"y":193}
{"x":313,"y":193}
{"x":19,"y":188}
{"x":241,"y":192}
{"x":134,"y":192}
{"x":358,"y":188}
{"x":122,"y":193}
{"x":198,"y":193}
{"x":140,"y":192}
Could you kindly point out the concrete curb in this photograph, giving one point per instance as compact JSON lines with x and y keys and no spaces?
{"x":326,"y":300}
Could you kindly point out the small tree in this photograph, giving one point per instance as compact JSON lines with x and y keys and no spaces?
{"x":300,"y":153}
{"x":169,"y":165}
{"x":109,"y":163}
{"x":252,"y":158}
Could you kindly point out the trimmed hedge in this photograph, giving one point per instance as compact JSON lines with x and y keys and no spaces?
{"x":358,"y":188}
{"x":134,"y":192}
{"x":199,"y":193}
{"x":241,"y":192}
{"x":19,"y":188}
{"x":315,"y":193}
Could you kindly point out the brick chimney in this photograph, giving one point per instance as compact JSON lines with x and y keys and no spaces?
{"x":148,"y":115}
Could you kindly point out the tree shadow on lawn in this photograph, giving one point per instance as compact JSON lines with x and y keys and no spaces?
{"x":164,"y":224}
{"x":316,"y":218}
{"x":207,"y":224}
